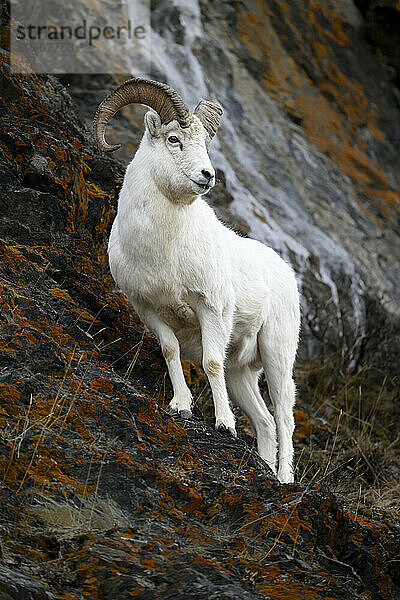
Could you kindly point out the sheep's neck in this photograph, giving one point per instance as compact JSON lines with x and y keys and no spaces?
{"x":147,"y":215}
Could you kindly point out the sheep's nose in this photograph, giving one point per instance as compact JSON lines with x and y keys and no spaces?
{"x":207,"y":174}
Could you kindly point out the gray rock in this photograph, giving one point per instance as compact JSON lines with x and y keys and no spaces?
{"x":15,"y":585}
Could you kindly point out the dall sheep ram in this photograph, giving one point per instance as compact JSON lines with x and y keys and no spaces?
{"x":207,"y":294}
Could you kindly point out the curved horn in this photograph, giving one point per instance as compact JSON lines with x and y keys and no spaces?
{"x":159,"y":96}
{"x":209,"y":115}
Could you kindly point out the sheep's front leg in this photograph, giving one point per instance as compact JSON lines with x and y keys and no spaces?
{"x":215,"y":333}
{"x":182,"y":399}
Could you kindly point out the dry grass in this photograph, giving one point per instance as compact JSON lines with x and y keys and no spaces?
{"x":350,"y":440}
{"x":73,"y":516}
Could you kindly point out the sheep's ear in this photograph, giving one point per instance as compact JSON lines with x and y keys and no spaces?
{"x":152,"y":122}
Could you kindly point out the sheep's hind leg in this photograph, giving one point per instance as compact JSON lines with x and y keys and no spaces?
{"x":278,"y":366}
{"x":182,"y":399}
{"x":244,"y":392}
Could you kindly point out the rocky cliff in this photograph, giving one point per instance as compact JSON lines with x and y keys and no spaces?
{"x":307,"y":151}
{"x":103,"y":494}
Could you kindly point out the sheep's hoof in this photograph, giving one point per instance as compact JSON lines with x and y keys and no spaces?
{"x":182,"y":414}
{"x":221,"y":428}
{"x":185,"y":414}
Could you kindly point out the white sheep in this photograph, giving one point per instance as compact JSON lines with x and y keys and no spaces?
{"x":207,"y":294}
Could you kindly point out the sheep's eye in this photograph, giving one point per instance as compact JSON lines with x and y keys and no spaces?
{"x":173,"y":139}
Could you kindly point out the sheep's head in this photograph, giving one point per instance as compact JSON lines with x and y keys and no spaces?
{"x":178,"y":159}
{"x":178,"y":140}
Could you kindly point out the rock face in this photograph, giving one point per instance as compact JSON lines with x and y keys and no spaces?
{"x":103,"y":495}
{"x":307,"y":151}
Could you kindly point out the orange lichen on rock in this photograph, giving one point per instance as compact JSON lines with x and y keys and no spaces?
{"x":284,"y":589}
{"x":304,"y":426}
{"x":331,"y":106}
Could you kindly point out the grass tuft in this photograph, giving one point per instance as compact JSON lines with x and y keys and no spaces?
{"x":351,"y":437}
{"x":74,"y":516}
